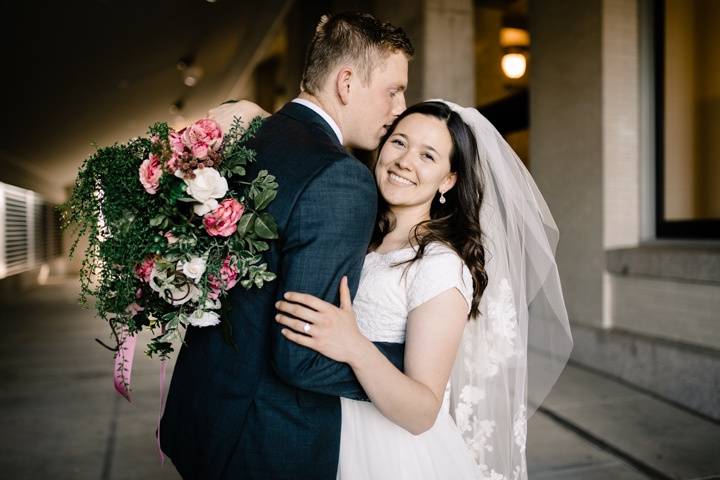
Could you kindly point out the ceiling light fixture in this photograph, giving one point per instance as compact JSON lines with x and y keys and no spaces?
{"x":192,"y":75}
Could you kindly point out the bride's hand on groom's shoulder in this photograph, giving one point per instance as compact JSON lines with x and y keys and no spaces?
{"x":321,"y":326}
{"x":244,"y":109}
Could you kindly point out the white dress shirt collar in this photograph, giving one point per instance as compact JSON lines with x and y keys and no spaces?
{"x":316,"y":108}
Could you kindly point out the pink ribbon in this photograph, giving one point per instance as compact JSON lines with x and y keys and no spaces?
{"x":163,"y":367}
{"x":123,"y":371}
{"x":123,"y":364}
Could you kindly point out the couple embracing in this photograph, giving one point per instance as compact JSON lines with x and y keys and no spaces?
{"x":394,"y":342}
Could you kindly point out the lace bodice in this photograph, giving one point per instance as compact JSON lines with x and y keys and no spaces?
{"x":388,"y":293}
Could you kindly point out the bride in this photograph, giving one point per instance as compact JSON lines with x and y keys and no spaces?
{"x":461,"y":269}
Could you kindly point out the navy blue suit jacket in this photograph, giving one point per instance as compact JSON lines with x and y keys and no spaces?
{"x":269,"y":409}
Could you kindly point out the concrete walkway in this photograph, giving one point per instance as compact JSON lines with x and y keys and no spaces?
{"x":61,"y":419}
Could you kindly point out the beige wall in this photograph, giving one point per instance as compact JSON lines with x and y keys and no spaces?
{"x":681,"y":311}
{"x":566,"y":142}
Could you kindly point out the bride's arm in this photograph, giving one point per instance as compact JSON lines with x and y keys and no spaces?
{"x":245,"y":110}
{"x":434,"y":329}
{"x":412,"y":400}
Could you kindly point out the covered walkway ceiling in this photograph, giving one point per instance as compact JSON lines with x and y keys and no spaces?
{"x":102,"y":71}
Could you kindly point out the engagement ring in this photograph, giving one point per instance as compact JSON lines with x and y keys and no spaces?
{"x":306,"y":328}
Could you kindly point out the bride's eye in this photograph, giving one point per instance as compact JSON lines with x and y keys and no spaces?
{"x":398,"y":142}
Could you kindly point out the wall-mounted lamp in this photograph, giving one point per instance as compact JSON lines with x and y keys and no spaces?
{"x":514,"y":65}
{"x":515,"y":43}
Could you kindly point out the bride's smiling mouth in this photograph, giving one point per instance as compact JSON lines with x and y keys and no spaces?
{"x":398,"y":180}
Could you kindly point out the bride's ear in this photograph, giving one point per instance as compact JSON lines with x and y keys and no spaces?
{"x":342,"y":84}
{"x":449,"y":182}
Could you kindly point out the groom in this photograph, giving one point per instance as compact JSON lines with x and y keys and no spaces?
{"x":267,"y":408}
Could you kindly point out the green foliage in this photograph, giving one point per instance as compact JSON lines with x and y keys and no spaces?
{"x":126,"y":226}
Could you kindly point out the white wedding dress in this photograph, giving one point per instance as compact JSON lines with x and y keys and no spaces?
{"x":371,"y":446}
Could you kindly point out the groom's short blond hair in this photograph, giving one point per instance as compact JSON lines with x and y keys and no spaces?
{"x":356,"y":38}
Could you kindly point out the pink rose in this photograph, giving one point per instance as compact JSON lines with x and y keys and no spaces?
{"x":176,"y":142}
{"x":229,"y":275}
{"x":154,"y":139}
{"x":202,"y":137}
{"x":199,"y":150}
{"x":150,"y":173}
{"x":144,"y":269}
{"x":215,"y":287}
{"x":222,"y":222}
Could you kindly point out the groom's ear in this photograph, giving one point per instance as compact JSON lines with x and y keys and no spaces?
{"x":342,"y":84}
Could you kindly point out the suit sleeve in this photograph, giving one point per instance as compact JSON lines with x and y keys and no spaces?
{"x":327,"y":237}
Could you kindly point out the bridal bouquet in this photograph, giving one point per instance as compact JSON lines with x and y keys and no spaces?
{"x":172,"y":224}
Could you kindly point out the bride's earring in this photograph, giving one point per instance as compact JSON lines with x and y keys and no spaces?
{"x":442,"y":197}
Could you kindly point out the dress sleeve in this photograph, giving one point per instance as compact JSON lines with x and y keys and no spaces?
{"x":438,"y":271}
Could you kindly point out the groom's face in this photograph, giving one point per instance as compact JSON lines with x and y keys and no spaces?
{"x":375,"y":105}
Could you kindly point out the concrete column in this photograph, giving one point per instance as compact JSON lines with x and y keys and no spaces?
{"x":566,"y":142}
{"x":621,"y":124}
{"x":448,"y":49}
{"x":442,"y":32}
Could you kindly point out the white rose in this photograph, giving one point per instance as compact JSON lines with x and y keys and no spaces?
{"x":201,"y":318}
{"x":211,"y":304}
{"x":201,"y":209}
{"x":193,"y":269}
{"x":207,"y":186}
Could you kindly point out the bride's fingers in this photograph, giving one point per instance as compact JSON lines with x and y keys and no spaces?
{"x":298,"y":311}
{"x":303,"y":340}
{"x":308,"y":300}
{"x":296,"y":325}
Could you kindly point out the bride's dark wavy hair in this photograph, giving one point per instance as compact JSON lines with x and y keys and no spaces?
{"x":455,"y":223}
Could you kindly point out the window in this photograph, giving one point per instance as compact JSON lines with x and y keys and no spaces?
{"x":686,"y":41}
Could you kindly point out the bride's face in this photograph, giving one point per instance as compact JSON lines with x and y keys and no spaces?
{"x":414,"y":163}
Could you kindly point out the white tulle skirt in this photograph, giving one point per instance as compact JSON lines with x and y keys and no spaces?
{"x":374,"y":448}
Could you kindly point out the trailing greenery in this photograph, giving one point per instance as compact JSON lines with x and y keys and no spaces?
{"x":138,"y":241}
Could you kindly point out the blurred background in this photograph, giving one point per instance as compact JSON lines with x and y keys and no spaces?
{"x":614,"y":106}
